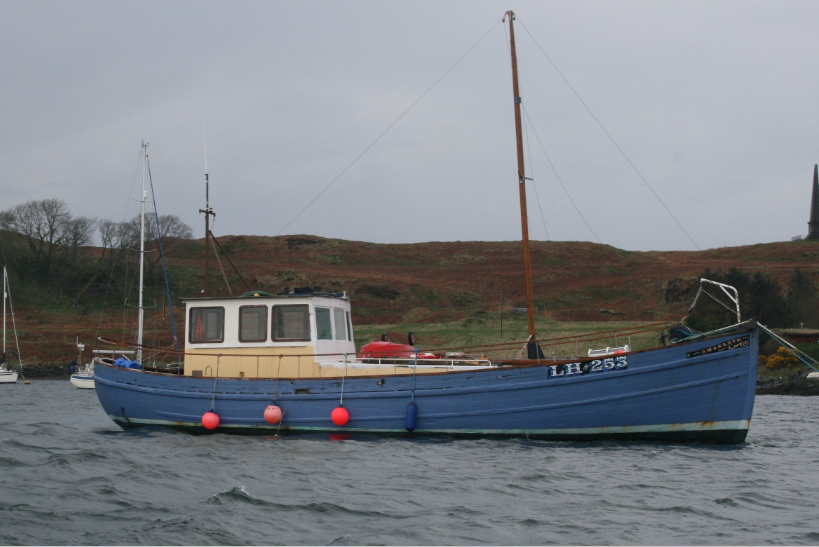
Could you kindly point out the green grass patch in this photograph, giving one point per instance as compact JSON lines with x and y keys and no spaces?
{"x":486,"y":330}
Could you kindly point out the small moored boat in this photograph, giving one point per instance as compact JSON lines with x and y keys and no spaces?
{"x":82,"y":376}
{"x":8,"y":376}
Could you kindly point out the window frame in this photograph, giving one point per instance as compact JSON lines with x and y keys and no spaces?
{"x":336,"y":313}
{"x":273,"y":323}
{"x":263,"y":330}
{"x":330,"y":321}
{"x":191,"y":329}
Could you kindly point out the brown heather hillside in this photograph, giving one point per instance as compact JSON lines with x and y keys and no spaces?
{"x":450,"y":280}
{"x":436,"y":282}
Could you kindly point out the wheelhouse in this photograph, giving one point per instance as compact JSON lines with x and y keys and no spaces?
{"x":258,"y":335}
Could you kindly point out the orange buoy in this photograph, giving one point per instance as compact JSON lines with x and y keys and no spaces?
{"x":273,"y":414}
{"x":340,"y":416}
{"x":210,"y":420}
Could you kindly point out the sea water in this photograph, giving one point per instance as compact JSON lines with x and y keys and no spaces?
{"x":69,"y":475}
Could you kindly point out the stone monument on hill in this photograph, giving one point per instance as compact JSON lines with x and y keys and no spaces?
{"x":813,"y":223}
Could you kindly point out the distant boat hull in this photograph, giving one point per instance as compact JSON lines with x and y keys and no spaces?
{"x":701,"y":391}
{"x":8,"y":377}
{"x":82,"y":381}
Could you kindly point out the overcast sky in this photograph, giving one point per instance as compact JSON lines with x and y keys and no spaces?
{"x":715,"y":103}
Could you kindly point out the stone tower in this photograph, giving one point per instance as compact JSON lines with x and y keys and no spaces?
{"x":813,"y":224}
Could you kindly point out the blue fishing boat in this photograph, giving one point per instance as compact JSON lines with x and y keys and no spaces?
{"x":262,"y":363}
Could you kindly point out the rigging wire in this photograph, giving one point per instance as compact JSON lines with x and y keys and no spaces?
{"x":162,"y":254}
{"x":387,"y":130}
{"x":622,"y":153}
{"x":113,"y":262}
{"x":720,"y":302}
{"x":534,"y":186}
{"x":526,"y":115}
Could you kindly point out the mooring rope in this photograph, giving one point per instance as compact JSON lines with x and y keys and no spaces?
{"x":216,"y":377}
{"x":341,"y":401}
{"x":796,"y":352}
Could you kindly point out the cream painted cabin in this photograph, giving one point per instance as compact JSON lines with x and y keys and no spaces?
{"x":284,"y":336}
{"x":266,"y":336}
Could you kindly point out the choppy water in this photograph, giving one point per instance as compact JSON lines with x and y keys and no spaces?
{"x":68,"y":475}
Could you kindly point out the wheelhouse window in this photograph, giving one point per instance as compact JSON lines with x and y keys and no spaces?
{"x":341,"y":326}
{"x":253,"y":324}
{"x":207,"y":325}
{"x":324,"y":329}
{"x":349,"y":328}
{"x":291,"y":322}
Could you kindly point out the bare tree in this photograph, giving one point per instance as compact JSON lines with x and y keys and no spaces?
{"x":112,"y":238}
{"x":42,"y":222}
{"x":54,"y":239}
{"x":173,"y":230}
{"x":77,"y":232}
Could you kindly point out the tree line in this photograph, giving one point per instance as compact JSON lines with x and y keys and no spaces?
{"x":761,"y":297}
{"x":43,"y":243}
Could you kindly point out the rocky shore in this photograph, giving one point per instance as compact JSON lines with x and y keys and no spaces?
{"x":60,"y":370}
{"x":786,"y":383}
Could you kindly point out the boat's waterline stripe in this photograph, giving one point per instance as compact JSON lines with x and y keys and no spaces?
{"x":726,"y":425}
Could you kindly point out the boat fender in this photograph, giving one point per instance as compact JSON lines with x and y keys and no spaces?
{"x":273,"y":414}
{"x":412,"y":416}
{"x":411,"y":338}
{"x":210,"y":420}
{"x":340,"y":416}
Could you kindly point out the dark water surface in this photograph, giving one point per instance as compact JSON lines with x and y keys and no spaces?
{"x":68,"y":475}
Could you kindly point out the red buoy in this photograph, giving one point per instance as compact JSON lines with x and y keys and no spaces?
{"x":340,"y":416}
{"x":210,"y":420}
{"x":273,"y":414}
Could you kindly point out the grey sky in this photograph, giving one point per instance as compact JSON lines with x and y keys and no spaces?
{"x":715,"y":103}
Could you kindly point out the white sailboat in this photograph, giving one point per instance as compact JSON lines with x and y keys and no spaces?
{"x":83,"y":377}
{"x":8,"y":376}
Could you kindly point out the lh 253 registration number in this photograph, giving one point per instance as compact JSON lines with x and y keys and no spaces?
{"x":608,"y":364}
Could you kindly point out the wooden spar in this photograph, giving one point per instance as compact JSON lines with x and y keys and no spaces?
{"x":524,"y":219}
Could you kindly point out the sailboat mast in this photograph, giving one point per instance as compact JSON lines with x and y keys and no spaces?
{"x":141,"y":323}
{"x":524,"y":219}
{"x":4,"y":310}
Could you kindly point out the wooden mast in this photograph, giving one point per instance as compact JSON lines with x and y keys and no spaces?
{"x":524,"y":220}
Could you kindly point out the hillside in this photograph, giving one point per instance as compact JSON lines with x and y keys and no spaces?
{"x":449,"y":280}
{"x":409,"y":283}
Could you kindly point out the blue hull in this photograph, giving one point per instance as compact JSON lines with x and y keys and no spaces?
{"x":698,"y":391}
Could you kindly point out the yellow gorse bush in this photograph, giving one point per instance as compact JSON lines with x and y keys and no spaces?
{"x":781,"y":359}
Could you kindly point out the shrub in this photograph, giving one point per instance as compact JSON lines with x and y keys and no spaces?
{"x":781,"y":359}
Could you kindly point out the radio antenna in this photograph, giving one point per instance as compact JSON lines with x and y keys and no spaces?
{"x":207,"y":210}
